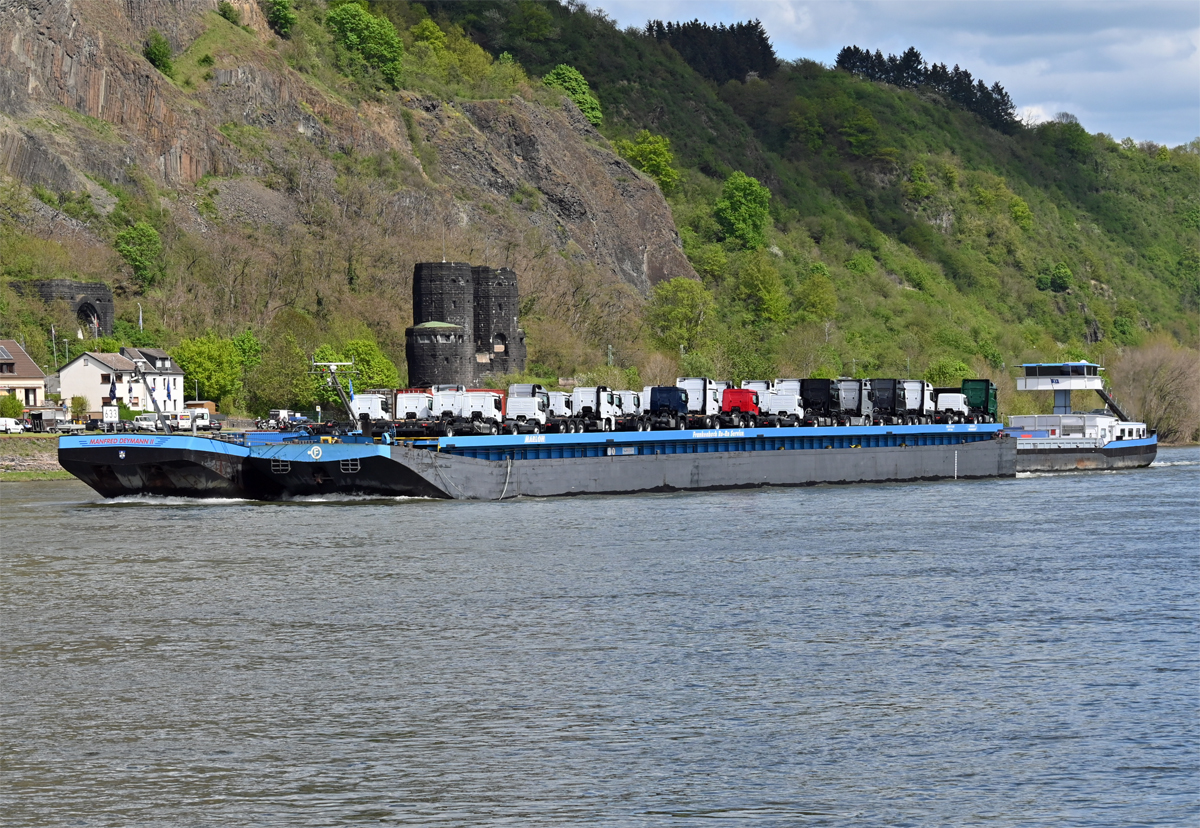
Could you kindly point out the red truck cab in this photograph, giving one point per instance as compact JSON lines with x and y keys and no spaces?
{"x":739,"y":407}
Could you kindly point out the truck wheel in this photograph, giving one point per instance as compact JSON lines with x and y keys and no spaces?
{"x":514,"y":430}
{"x":493,"y":429}
{"x":537,"y":429}
{"x":449,"y":431}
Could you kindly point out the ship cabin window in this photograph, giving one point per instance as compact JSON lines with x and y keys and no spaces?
{"x":1064,"y":370}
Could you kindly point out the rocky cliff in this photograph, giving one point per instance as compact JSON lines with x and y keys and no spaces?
{"x":80,"y":105}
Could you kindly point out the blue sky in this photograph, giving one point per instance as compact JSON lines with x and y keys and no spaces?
{"x":1125,"y":68}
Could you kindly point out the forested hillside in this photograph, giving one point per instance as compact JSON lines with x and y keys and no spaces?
{"x":886,"y":216}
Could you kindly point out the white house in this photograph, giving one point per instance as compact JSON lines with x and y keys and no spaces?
{"x":131,"y":377}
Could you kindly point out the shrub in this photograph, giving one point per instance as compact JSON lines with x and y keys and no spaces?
{"x":1021,"y":214}
{"x":280,"y":16}
{"x":226,"y":10}
{"x":374,"y":38}
{"x":157,"y":50}
{"x":1060,"y":278}
{"x":79,"y":407}
{"x":573,"y":84}
{"x":10,"y":406}
{"x":652,"y":155}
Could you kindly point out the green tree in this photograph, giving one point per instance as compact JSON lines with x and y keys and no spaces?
{"x":1021,"y":214}
{"x":10,"y":406}
{"x":918,"y":187}
{"x":157,"y":50}
{"x":282,"y":380}
{"x":677,"y":313}
{"x":249,"y":349}
{"x":142,"y":248}
{"x":372,"y":369}
{"x":280,"y":16}
{"x":742,"y":211}
{"x":79,"y":407}
{"x":429,"y":32}
{"x":573,"y":84}
{"x":374,"y":38}
{"x":652,"y":155}
{"x":947,"y":372}
{"x":212,"y":363}
{"x":816,"y":296}
{"x":761,"y":291}
{"x":1060,"y":278}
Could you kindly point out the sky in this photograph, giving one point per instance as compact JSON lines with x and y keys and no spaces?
{"x":1130,"y":69}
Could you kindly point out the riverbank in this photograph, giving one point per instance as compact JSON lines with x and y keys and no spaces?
{"x":26,"y":457}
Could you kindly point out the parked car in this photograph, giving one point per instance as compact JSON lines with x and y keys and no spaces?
{"x":8,"y":425}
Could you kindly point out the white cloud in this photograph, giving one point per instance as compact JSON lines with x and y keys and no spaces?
{"x":1125,"y":68}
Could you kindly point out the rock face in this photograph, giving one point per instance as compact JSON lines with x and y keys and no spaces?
{"x":614,"y":214}
{"x":78,"y":100}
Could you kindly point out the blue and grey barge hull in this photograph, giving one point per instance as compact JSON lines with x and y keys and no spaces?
{"x":552,"y":465}
{"x":179,"y":465}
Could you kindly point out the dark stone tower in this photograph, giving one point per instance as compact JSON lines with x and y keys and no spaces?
{"x":499,"y":343}
{"x":438,"y":354}
{"x":444,"y":292}
{"x":464,"y":324}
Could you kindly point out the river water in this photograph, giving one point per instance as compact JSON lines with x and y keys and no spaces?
{"x":1010,"y":652}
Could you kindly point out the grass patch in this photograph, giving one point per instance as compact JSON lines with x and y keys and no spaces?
{"x":221,"y":44}
{"x":34,"y":476}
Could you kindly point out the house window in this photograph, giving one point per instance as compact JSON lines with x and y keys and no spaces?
{"x":8,"y":368}
{"x":104,"y":379}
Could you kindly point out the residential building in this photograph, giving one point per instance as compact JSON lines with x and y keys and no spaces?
{"x":20,"y":376}
{"x":131,"y":377}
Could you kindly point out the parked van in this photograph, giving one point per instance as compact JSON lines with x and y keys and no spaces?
{"x":8,"y":425}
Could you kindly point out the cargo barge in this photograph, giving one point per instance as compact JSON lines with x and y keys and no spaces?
{"x":536,"y":465}
{"x":1070,"y":440}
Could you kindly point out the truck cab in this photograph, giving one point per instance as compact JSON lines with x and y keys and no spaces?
{"x":665,"y":406}
{"x":632,"y":417}
{"x":704,"y":399}
{"x":739,"y":408}
{"x":952,"y":408}
{"x":981,"y":400}
{"x":822,"y":401}
{"x":528,"y":409}
{"x":594,"y":408}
